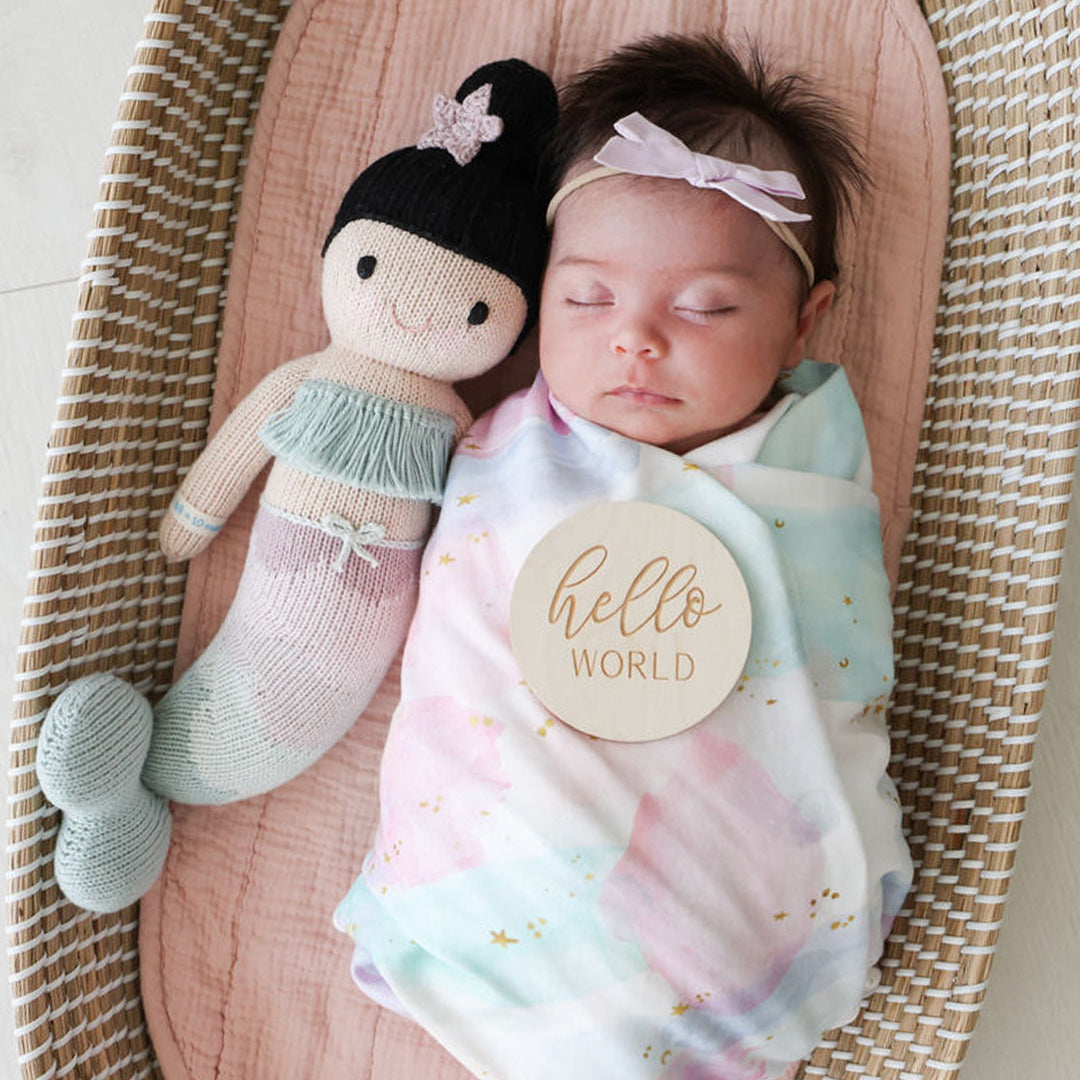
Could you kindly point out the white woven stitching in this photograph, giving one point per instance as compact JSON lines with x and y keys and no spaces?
{"x":99,"y":273}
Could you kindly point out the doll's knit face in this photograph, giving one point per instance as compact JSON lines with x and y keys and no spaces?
{"x":403,"y":300}
{"x":667,"y":312}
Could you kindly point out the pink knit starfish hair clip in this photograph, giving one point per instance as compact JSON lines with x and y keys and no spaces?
{"x":462,"y":127}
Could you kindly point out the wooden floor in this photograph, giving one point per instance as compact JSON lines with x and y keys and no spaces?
{"x":62,"y":65}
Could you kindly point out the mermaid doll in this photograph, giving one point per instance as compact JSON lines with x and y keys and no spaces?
{"x":430,"y":274}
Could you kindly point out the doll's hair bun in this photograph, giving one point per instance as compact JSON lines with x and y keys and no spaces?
{"x":473,"y":184}
{"x":526,"y":102}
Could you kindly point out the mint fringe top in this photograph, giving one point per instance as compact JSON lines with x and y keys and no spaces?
{"x":363,"y":440}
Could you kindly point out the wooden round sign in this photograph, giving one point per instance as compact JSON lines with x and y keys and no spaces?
{"x":630,"y":621}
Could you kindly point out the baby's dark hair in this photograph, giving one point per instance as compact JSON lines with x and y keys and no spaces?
{"x":702,"y":91}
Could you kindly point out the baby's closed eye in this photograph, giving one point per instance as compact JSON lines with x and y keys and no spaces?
{"x":703,"y":302}
{"x":587,"y":294}
{"x":695,"y":309}
{"x":587,"y":301}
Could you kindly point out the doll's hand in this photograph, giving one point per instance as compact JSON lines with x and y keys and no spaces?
{"x":185,"y":531}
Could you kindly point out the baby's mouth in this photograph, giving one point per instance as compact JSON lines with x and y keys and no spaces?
{"x":640,"y":395}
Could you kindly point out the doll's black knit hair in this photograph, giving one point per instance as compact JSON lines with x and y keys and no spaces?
{"x":716,"y":101}
{"x":490,"y":209}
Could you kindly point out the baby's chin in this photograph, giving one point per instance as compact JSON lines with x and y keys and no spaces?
{"x":659,"y":426}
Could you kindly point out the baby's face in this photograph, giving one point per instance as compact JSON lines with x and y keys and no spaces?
{"x":668,"y":312}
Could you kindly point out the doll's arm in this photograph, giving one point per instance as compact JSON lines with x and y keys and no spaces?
{"x":224,"y":471}
{"x":462,"y":417}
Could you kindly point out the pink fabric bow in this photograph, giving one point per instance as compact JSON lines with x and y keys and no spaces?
{"x":647,"y":150}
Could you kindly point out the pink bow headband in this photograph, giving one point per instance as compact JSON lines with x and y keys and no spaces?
{"x":644,"y":149}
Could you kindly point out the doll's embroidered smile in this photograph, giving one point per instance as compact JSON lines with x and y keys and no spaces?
{"x":415,"y":328}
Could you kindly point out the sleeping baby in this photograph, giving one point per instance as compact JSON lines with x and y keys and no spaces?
{"x":703,"y":906}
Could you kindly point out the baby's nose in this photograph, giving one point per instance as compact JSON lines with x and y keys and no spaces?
{"x":637,"y":340}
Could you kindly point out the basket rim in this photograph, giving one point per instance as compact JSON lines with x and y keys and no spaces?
{"x":1022,"y":471}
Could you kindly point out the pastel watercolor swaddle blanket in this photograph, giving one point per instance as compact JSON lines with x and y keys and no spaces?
{"x":699,"y":907}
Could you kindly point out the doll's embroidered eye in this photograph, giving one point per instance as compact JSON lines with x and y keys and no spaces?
{"x":479,"y":313}
{"x":366,"y":266}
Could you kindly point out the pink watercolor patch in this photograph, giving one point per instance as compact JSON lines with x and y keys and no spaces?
{"x":495,"y":429}
{"x":716,"y":882}
{"x":435,"y":800}
{"x":727,"y":1067}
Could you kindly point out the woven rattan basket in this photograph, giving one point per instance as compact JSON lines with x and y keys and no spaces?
{"x":977,"y":594}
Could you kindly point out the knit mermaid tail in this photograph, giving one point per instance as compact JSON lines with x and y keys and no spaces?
{"x":316,"y":621}
{"x":318,"y":617}
{"x":114,"y":833}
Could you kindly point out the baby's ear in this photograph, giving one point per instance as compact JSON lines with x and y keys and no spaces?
{"x":813,"y":307}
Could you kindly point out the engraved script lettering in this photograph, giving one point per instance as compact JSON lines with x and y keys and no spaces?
{"x":678,"y":599}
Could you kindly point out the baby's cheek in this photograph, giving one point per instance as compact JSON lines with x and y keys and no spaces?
{"x":560,"y":376}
